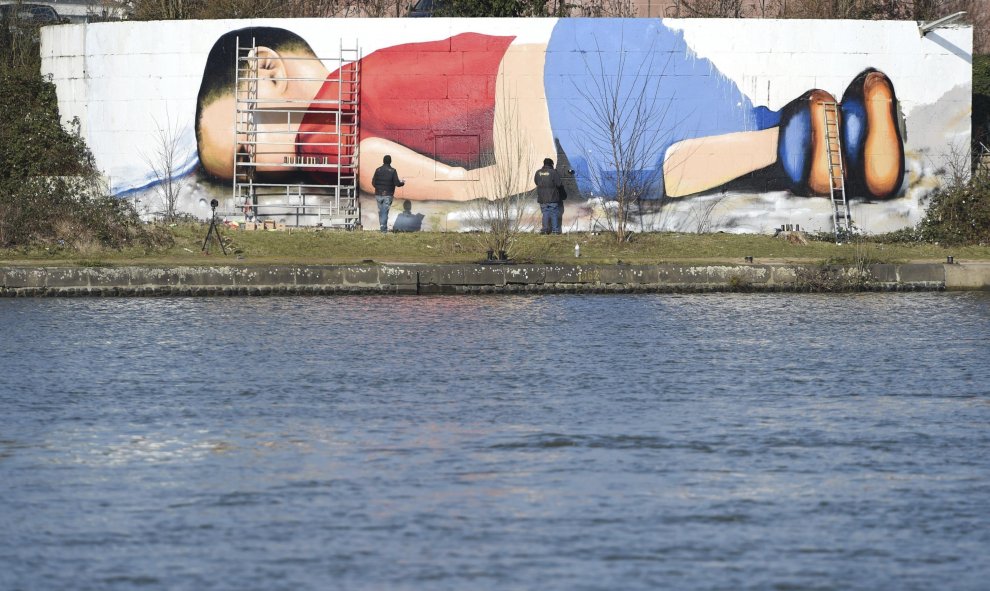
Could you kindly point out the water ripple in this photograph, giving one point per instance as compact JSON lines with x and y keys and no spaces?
{"x":751,"y":441}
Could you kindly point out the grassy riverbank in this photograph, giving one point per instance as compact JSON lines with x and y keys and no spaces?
{"x":339,"y":247}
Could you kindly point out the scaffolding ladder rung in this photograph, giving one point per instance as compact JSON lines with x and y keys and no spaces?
{"x":331,"y":194}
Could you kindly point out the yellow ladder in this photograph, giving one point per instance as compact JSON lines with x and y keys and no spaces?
{"x":841,"y":221}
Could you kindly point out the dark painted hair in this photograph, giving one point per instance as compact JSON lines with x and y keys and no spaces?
{"x":548,"y":162}
{"x":387,"y":159}
{"x":218,"y":75}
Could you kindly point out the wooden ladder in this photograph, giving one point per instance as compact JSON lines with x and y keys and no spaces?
{"x":841,"y":221}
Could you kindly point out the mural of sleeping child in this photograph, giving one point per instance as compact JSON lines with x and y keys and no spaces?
{"x":433,"y":106}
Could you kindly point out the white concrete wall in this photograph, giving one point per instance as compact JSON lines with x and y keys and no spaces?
{"x":126,"y":80}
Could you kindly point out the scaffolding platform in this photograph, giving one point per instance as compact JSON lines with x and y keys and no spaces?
{"x":297,"y":160}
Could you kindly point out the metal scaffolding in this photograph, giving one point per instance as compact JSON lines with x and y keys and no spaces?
{"x":305,"y":179}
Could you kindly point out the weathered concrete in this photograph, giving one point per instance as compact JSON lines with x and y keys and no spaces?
{"x":967,"y":276}
{"x":481,"y":278}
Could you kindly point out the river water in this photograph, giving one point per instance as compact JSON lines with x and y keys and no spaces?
{"x":750,"y":441}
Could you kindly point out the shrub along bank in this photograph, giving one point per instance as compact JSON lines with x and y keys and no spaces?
{"x":50,"y":191}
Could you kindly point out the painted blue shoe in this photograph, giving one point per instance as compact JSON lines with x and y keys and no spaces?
{"x":801,"y":147}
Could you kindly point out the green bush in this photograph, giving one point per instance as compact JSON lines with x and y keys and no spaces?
{"x":959,"y":214}
{"x":50,"y":190}
{"x":902,"y":236}
{"x":35,"y":143}
{"x":72,"y":213}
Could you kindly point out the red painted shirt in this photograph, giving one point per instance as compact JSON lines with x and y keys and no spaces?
{"x":436,"y":98}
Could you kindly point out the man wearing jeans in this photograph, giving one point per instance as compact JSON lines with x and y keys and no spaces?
{"x":548,"y":185}
{"x":385,"y":181}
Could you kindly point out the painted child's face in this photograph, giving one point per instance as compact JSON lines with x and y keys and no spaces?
{"x":268,"y":132}
{"x":272,"y":141}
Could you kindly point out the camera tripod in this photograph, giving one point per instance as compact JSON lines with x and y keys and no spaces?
{"x":214,"y":230}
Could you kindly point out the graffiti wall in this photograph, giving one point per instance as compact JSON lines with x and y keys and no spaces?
{"x":721,"y":120}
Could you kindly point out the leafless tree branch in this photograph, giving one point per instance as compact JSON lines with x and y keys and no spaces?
{"x":165,"y":160}
{"x":627,"y":126}
{"x":500,"y":212}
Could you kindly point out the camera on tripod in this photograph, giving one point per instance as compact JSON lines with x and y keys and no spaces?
{"x":214,"y":230}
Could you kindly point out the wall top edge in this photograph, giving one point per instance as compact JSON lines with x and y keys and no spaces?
{"x":483,"y":19}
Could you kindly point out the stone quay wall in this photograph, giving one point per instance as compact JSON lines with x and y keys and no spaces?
{"x":251,"y":280}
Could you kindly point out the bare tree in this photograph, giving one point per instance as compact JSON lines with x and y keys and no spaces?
{"x":626,"y":126}
{"x":982,"y":158}
{"x":712,"y":8}
{"x":106,"y":10}
{"x":868,"y":9}
{"x":829,"y":9}
{"x":768,"y":8}
{"x":163,"y":9}
{"x":165,"y":160}
{"x":957,"y":165}
{"x":977,"y":14}
{"x":380,"y":8}
{"x":499,"y":208}
{"x":606,"y":9}
{"x":215,"y":9}
{"x":701,"y":213}
{"x":19,"y":39}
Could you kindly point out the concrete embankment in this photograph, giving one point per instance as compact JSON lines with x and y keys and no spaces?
{"x":482,"y":278}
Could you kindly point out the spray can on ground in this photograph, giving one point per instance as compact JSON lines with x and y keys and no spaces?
{"x":577,"y":250}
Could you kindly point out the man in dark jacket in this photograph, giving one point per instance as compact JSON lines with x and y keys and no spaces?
{"x":548,"y":186}
{"x":385,"y":181}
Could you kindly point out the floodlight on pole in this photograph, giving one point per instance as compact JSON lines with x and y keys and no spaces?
{"x":945,"y":21}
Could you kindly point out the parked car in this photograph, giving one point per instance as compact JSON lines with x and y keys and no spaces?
{"x":38,"y":15}
{"x":24,"y":21}
{"x":422,"y":8}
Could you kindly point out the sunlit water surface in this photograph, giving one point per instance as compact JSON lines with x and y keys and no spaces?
{"x":494,"y":443}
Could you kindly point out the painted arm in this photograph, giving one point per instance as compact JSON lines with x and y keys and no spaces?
{"x":428,"y":179}
{"x":699,"y":164}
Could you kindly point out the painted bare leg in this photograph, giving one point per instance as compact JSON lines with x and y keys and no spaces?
{"x":798,"y":144}
{"x":428,"y":179}
{"x":872,"y":148}
{"x":699,"y":164}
